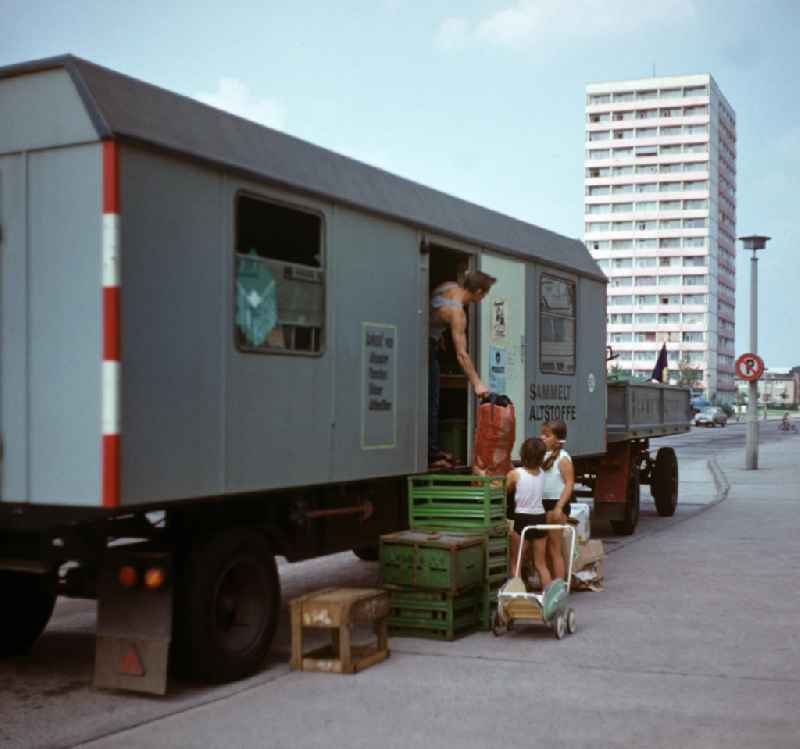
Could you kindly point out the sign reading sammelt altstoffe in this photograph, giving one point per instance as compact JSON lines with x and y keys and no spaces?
{"x":379,"y":375}
{"x":750,"y":367}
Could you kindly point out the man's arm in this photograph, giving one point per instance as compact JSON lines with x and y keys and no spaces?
{"x":458,"y":330}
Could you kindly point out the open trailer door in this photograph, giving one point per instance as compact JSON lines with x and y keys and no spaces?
{"x":502,"y":340}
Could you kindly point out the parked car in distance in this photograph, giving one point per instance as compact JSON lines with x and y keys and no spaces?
{"x":711,"y":417}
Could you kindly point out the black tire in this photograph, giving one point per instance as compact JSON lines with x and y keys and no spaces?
{"x":664,"y":482}
{"x":627,"y":525}
{"x":29,"y":602}
{"x":367,"y":552}
{"x":227,"y":607}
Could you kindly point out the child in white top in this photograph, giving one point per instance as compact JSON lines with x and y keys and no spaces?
{"x":558,"y":485}
{"x":525,"y":484}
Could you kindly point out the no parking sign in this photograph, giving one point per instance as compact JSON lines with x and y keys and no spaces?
{"x":750,"y":367}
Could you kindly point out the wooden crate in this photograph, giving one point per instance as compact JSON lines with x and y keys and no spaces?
{"x":337,"y":610}
{"x":438,"y":615}
{"x":433,"y":560}
{"x":456,"y":504}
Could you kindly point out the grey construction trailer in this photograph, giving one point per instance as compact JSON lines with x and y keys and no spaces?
{"x":214,"y":341}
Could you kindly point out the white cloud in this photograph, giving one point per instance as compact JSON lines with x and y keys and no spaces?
{"x":234,"y":96}
{"x":524,"y":22}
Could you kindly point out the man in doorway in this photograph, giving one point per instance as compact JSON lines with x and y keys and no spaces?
{"x":447,"y":312}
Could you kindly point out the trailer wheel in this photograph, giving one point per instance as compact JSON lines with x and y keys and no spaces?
{"x":627,"y":525}
{"x":227,"y":609}
{"x":29,"y":600}
{"x":366,"y":552}
{"x":664,"y":484}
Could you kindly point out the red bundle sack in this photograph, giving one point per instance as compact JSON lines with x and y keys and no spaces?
{"x":494,"y":436}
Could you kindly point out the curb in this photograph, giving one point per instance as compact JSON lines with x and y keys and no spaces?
{"x":721,"y":482}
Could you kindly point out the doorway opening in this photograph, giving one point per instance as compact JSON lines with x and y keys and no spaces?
{"x":447,"y":266}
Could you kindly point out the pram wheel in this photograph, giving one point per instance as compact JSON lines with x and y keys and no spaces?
{"x":572,"y":623}
{"x":559,"y":625}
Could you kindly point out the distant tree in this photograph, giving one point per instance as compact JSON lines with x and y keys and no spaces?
{"x":688,"y":375}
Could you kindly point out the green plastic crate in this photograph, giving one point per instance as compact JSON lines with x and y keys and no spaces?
{"x":437,"y":615}
{"x":435,"y":561}
{"x":489,"y":602}
{"x":459,"y":503}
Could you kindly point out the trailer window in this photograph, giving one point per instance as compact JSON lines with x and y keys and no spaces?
{"x":280,"y":279}
{"x":556,"y":325}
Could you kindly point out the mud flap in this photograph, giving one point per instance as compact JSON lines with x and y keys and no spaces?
{"x":134,"y":624}
{"x":612,"y":480}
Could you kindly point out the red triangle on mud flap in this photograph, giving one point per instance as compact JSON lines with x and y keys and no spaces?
{"x":131,"y":663}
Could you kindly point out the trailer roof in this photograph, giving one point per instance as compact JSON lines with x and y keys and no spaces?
{"x":130,"y":109}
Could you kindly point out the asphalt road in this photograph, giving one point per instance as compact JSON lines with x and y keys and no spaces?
{"x":705,"y":442}
{"x":46,"y":699}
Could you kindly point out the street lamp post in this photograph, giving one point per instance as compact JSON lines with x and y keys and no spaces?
{"x":753,"y":243}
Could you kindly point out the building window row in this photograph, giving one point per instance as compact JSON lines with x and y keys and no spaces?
{"x":597,"y":172}
{"x":629,"y":152}
{"x":674,"y":355}
{"x":656,"y":318}
{"x":647,"y":206}
{"x":725,"y":308}
{"x":629,"y":188}
{"x":647,"y":243}
{"x":630,"y":115}
{"x":729,"y":234}
{"x":726,"y":326}
{"x":665,"y":131}
{"x":624,"y":97}
{"x":727,"y":132}
{"x":652,"y":300}
{"x":621,"y":263}
{"x":652,"y":336}
{"x":668,"y":318}
{"x":726,"y":187}
{"x":666,"y":280}
{"x":650,"y":225}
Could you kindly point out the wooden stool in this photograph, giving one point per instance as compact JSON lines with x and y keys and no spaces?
{"x":338,"y":609}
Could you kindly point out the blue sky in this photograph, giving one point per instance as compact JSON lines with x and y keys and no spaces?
{"x":480,"y":98}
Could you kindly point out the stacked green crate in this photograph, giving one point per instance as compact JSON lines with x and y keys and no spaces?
{"x":466,"y":504}
{"x":458,"y":503}
{"x":496,"y":571}
{"x":436,"y":614}
{"x":435,"y":582}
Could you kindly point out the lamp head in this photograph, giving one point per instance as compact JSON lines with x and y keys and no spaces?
{"x":754,"y":242}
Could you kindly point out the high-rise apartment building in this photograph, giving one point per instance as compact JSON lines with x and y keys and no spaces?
{"x":660,"y":219}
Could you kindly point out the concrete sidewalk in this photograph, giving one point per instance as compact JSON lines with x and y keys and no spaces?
{"x":694,"y":643}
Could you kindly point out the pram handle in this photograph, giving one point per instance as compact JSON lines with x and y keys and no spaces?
{"x":548,"y":527}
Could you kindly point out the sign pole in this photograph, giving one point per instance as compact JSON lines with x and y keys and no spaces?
{"x":753,"y":243}
{"x":751,"y":446}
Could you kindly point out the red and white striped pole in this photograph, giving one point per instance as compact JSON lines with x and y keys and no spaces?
{"x":110,"y":398}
